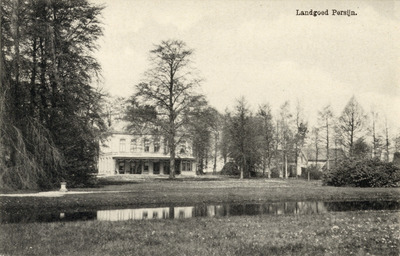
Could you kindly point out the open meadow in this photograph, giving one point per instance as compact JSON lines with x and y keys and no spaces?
{"x":330,"y":233}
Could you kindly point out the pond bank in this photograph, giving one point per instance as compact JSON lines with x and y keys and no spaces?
{"x":112,"y":193}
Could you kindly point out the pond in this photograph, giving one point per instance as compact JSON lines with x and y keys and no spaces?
{"x":217,"y":210}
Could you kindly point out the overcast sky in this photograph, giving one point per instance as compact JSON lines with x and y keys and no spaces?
{"x":263,"y":51}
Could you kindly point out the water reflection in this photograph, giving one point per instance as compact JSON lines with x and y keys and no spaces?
{"x":297,"y":208}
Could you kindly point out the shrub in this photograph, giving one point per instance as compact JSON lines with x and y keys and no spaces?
{"x":275,"y":173}
{"x":363,"y":173}
{"x":230,"y":168}
{"x":315,"y":173}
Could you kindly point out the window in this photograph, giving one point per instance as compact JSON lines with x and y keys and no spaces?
{"x":156,"y":145}
{"x":146,"y":145}
{"x":183,"y":147}
{"x":121,"y":168}
{"x":146,"y":168}
{"x":122,"y":145}
{"x":166,"y":149}
{"x":133,"y":145}
{"x":186,"y":166}
{"x":156,"y":168}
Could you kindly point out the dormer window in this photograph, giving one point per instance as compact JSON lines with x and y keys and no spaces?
{"x":183,"y":148}
{"x":156,"y":145}
{"x":146,"y":143}
{"x":122,"y":145}
{"x":133,"y":145}
{"x":166,"y":149}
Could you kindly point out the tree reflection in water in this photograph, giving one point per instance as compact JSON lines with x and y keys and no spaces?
{"x":182,"y":212}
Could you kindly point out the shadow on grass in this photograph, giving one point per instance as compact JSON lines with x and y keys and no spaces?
{"x":287,"y":249}
{"x":105,"y":182}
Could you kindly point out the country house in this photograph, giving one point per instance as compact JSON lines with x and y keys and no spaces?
{"x":126,"y":153}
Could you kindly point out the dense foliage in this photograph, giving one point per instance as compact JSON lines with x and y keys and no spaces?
{"x":230,"y":169}
{"x":363,"y":173}
{"x":50,"y":114}
{"x":242,"y":138}
{"x":312,"y":172}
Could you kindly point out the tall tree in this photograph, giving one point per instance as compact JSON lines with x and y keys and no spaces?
{"x":316,"y":142}
{"x":167,"y":96}
{"x":376,"y":136}
{"x":301,"y":132}
{"x":325,"y":120}
{"x":113,"y":109}
{"x":47,"y":51}
{"x":351,"y":124}
{"x":216,"y":127}
{"x":286,"y":134}
{"x":224,"y":142}
{"x":268,"y":137}
{"x":387,"y":141}
{"x":203,"y":128}
{"x":243,"y":142}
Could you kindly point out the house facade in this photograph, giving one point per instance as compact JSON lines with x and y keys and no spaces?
{"x":143,"y":154}
{"x":320,"y":158}
{"x":295,"y":167}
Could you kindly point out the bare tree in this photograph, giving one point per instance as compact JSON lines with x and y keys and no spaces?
{"x":325,"y":119}
{"x":351,"y":124}
{"x":267,"y":135}
{"x":387,"y":141}
{"x":167,"y":96}
{"x":376,"y":137}
{"x":301,"y":131}
{"x":316,"y":142}
{"x":286,"y":134}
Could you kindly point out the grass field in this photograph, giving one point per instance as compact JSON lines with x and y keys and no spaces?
{"x":335,"y":233}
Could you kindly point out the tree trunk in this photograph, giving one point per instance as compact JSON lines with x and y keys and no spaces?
{"x":328,"y":157}
{"x":172,"y":147}
{"x":33,"y":104}
{"x":215,"y":154}
{"x":286,"y":173}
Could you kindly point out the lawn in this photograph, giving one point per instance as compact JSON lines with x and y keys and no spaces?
{"x":340,"y":233}
{"x":148,"y":192}
{"x":334,"y":233}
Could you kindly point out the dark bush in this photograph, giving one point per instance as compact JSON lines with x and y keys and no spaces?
{"x":396,"y":159}
{"x":362,"y":173}
{"x":315,"y":173}
{"x":230,"y":168}
{"x":275,"y":173}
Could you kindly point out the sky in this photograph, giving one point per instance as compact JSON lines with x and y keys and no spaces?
{"x":263,"y":51}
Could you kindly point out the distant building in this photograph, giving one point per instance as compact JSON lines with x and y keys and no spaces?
{"x":320,"y":159}
{"x":295,"y":168}
{"x":126,"y":153}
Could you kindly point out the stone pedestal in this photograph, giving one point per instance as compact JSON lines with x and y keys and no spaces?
{"x":63,"y":187}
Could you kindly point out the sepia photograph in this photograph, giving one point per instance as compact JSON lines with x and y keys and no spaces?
{"x":188,"y":127}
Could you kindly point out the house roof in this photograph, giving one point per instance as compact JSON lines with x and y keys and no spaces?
{"x":291,"y":155}
{"x":119,"y":127}
{"x":322,"y":154}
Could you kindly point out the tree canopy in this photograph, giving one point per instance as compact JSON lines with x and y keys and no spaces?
{"x":166,"y":99}
{"x":50,"y":121}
